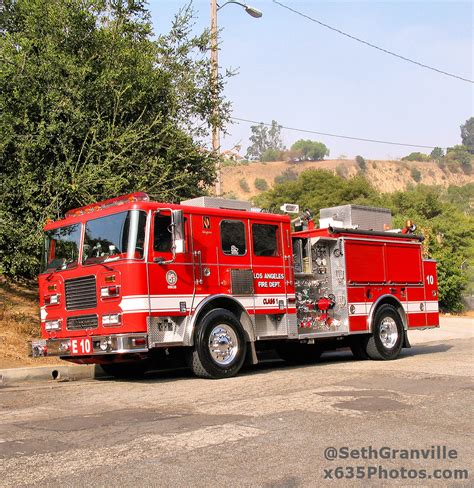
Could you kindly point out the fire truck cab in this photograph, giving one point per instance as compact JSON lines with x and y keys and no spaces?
{"x":127,"y":280}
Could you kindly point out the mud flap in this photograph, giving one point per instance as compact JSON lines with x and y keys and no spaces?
{"x":406,"y":342}
{"x":251,"y":354}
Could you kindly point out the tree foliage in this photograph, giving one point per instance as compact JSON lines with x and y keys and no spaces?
{"x":307,"y":150}
{"x":91,"y":106}
{"x":361,"y":163}
{"x":264,"y":139}
{"x":459,"y":156}
{"x":448,"y":228}
{"x":467,"y":134}
{"x":437,"y":153}
{"x":417,"y":156}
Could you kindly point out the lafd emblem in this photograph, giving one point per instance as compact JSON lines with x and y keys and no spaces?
{"x":171,"y":278}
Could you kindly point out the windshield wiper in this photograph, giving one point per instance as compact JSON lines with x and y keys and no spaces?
{"x":59,"y":268}
{"x":108,"y":268}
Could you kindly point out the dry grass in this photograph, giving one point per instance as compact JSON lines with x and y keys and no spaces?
{"x":386,"y":176}
{"x":19,"y":322}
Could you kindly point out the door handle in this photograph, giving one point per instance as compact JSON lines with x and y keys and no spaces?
{"x":198,"y":255}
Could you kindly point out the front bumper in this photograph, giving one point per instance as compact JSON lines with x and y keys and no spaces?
{"x":116,"y":344}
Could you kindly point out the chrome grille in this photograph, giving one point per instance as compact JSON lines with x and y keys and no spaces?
{"x":82,"y":322}
{"x":81,"y":293}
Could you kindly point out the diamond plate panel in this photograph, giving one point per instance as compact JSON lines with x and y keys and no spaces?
{"x":163,"y":330}
{"x":266,"y":326}
{"x":242,"y":281}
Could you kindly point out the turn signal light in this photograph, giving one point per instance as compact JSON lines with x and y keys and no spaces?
{"x":109,"y":291}
{"x":51,"y":299}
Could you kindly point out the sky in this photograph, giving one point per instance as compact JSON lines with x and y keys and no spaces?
{"x":305,"y":76}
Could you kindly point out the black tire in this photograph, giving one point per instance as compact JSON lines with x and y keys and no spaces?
{"x":358,"y":346}
{"x":226,"y":330}
{"x":126,"y":370}
{"x":379,"y":345}
{"x":297,"y":353}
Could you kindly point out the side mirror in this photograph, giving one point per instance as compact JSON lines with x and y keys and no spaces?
{"x":179,"y":242}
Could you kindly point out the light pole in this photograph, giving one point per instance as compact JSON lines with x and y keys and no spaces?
{"x":253,"y":12}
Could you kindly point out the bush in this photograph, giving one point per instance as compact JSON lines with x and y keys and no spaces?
{"x":361,"y":163}
{"x":272,"y":155}
{"x":261,"y":184}
{"x":341,"y":170}
{"x":287,"y":175}
{"x":244,"y":185}
{"x":416,"y":174}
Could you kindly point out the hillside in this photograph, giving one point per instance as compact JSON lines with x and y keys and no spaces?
{"x":386,"y":176}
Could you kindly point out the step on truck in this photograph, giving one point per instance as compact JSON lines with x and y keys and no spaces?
{"x":127,"y":282}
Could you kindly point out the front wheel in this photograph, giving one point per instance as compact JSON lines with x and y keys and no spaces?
{"x":387,"y":337}
{"x":219,"y":346}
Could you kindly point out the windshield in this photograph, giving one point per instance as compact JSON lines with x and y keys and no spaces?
{"x":117,"y":236}
{"x":61,"y":248}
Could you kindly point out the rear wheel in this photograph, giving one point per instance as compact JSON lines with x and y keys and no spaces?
{"x":387,"y":337}
{"x":126,"y":370}
{"x":297,"y":353}
{"x":219,"y":346}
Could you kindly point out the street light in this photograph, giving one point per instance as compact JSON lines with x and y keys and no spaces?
{"x":253,"y":12}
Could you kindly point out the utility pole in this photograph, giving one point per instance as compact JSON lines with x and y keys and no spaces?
{"x":215,"y":94}
{"x":215,"y":81}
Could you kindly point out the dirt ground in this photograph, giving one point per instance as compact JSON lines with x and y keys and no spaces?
{"x":272,"y":426}
{"x":19,"y":321}
{"x":386,"y":176}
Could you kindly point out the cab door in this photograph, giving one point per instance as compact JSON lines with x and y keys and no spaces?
{"x":171,"y":280}
{"x":271,"y":273}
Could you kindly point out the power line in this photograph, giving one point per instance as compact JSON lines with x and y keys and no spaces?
{"x":364,"y":139}
{"x":312,"y":19}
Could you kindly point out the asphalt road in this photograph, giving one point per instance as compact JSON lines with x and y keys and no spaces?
{"x":268,"y":427}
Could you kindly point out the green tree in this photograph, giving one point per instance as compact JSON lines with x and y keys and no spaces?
{"x":448,"y":231}
{"x":467,"y":134}
{"x":93,"y":106}
{"x":459,"y":155}
{"x":264,"y":138}
{"x":361,"y":163}
{"x":307,"y":150}
{"x":437,"y":153}
{"x":417,"y":156}
{"x":272,"y":155}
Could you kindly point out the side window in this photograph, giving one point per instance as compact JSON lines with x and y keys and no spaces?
{"x":233,"y":237}
{"x":162,"y":240}
{"x":265,"y":240}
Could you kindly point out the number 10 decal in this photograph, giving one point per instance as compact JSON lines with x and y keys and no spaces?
{"x":430,"y":279}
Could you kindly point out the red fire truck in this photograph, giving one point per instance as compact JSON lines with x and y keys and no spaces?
{"x":127,"y":280}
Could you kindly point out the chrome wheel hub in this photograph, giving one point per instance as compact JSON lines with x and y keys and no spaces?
{"x":223,"y":344}
{"x":388,"y":332}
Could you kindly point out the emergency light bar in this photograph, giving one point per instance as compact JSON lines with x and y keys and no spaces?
{"x":93,"y":207}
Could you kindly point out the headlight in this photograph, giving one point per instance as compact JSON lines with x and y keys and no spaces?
{"x":53,"y":324}
{"x":111,"y":319}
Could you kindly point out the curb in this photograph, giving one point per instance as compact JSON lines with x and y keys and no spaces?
{"x":72,"y":372}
